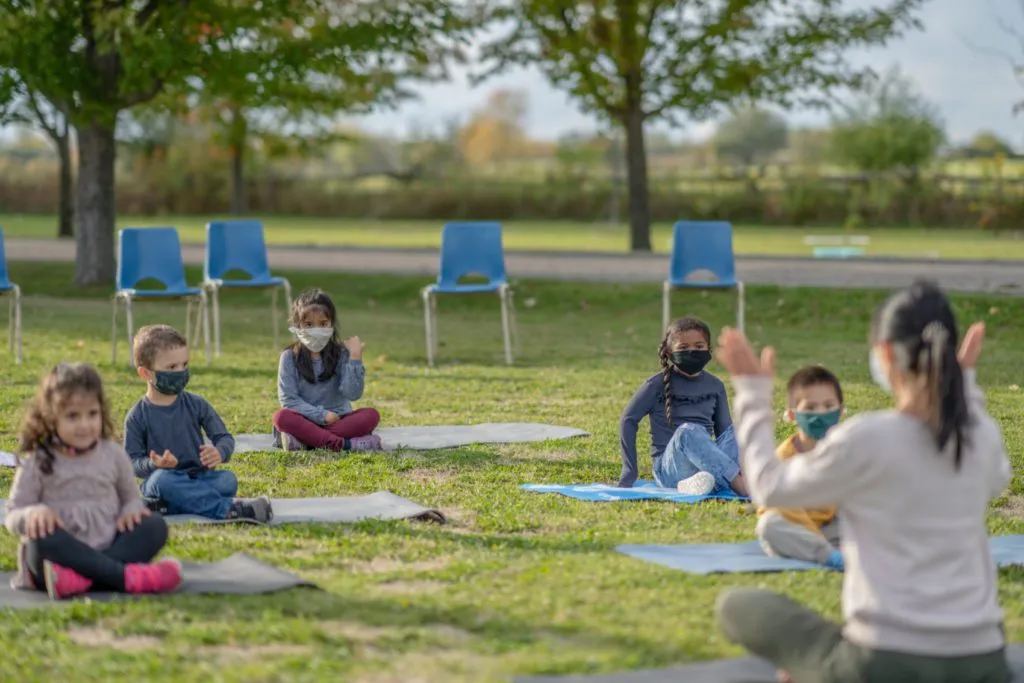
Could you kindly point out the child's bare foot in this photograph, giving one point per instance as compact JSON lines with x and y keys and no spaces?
{"x":783,"y":676}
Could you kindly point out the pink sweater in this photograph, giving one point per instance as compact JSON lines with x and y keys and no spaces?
{"x":89,"y":492}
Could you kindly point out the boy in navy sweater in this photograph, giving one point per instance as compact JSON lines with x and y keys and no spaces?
{"x":163,"y":434}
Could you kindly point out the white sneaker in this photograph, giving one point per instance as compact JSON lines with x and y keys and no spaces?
{"x":700,"y":484}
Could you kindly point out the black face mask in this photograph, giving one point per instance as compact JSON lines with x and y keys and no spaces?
{"x":691,"y":362}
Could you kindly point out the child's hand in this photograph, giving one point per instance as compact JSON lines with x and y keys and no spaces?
{"x":130,"y":520}
{"x":355,"y":347}
{"x":41,"y":523}
{"x":970,"y":347}
{"x":210,"y":456}
{"x":167,"y":461}
{"x":735,"y":353}
{"x":331,"y":418}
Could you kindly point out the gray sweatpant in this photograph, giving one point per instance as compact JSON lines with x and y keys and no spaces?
{"x":781,"y":538}
{"x":812,"y":649}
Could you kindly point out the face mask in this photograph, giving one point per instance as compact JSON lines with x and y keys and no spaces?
{"x":313,"y":338}
{"x":816,"y":425}
{"x":691,"y":362}
{"x":877,"y":371}
{"x":171,"y":382}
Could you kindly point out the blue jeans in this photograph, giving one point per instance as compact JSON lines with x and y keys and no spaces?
{"x":208,"y":495}
{"x":692,"y":450}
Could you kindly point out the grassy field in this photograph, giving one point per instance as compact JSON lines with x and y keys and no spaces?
{"x":518,"y":583}
{"x":749,"y":240}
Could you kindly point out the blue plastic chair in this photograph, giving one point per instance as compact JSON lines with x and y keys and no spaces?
{"x":702,"y":258}
{"x":239,"y":245}
{"x":155,"y":253}
{"x":471,"y":249}
{"x":11,"y":290}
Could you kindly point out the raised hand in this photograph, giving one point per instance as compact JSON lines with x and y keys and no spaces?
{"x":970,"y":347}
{"x":736,"y":355}
{"x":355,"y":347}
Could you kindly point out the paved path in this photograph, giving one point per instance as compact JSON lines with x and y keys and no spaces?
{"x":969,"y":276}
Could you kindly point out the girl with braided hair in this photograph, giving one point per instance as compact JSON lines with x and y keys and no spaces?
{"x":692,"y":441}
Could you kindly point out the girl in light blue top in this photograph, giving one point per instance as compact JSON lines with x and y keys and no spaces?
{"x":317,"y":380}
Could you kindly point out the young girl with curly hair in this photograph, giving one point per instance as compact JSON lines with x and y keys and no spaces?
{"x":75,"y":502}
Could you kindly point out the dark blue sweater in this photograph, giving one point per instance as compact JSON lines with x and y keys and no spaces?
{"x":695,"y":400}
{"x":178,"y":428}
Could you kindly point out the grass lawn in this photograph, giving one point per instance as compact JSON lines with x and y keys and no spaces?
{"x":563,"y":236}
{"x":518,"y":583}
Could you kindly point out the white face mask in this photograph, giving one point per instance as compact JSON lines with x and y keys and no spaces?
{"x":878,"y":373}
{"x":313,"y":338}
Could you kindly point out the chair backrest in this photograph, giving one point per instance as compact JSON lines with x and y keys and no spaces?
{"x":703,"y":247}
{"x":145,"y":253}
{"x":470,"y":249}
{"x":4,"y":278}
{"x":235,"y":245}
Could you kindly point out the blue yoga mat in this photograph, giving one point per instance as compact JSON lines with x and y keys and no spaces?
{"x":642,"y":490}
{"x":734,"y":558}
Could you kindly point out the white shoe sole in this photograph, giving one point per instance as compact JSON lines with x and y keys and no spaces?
{"x":700,"y":484}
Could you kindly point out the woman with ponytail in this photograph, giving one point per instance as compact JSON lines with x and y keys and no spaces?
{"x":692,"y":440}
{"x":912,"y":485}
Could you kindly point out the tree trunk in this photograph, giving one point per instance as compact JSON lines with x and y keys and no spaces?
{"x":94,"y":260}
{"x":636,"y":170}
{"x":239,"y":134}
{"x":67,"y":197}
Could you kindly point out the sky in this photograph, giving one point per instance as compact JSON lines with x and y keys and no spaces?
{"x":959,"y":62}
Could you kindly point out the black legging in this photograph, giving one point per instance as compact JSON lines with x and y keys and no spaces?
{"x":104,"y":567}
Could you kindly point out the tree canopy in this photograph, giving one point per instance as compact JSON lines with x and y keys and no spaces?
{"x":632,"y":61}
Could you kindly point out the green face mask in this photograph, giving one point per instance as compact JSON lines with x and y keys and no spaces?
{"x":816,"y":425}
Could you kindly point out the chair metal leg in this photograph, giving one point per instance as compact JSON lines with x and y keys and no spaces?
{"x":204,"y":307}
{"x":666,"y":304}
{"x":287,"y":300}
{"x":433,"y":323}
{"x":274,"y":292}
{"x":15,"y":322}
{"x":113,"y":331}
{"x":215,"y":292}
{"x":130,"y":321}
{"x":516,"y":346}
{"x":741,"y":305}
{"x":10,"y":322}
{"x":188,"y":320}
{"x":427,"y":327}
{"x":505,"y":331}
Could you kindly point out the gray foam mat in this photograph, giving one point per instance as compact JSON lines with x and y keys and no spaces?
{"x":235,"y":575}
{"x":338,"y":510}
{"x":434,"y":437}
{"x":721,"y":671}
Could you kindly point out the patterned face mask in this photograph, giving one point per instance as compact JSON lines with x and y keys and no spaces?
{"x":313,"y":338}
{"x":171,"y":382}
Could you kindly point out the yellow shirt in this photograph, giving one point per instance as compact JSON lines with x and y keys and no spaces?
{"x":811,"y":519}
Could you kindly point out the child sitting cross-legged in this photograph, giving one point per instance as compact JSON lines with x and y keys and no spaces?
{"x":815,"y":404}
{"x":163,"y":434}
{"x":74,"y":501}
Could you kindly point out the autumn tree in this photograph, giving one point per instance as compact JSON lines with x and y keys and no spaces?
{"x":496,"y":132}
{"x":95,"y":58}
{"x":635,"y":61}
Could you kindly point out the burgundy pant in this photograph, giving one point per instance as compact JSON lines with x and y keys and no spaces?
{"x":359,"y":422}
